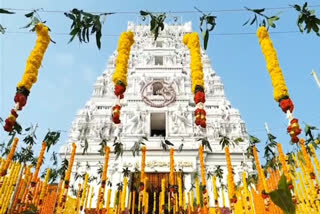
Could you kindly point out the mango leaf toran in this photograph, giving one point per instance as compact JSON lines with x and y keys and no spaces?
{"x":261,"y":19}
{"x":3,"y":11}
{"x":308,"y":18}
{"x":156,"y":22}
{"x":210,"y":22}
{"x":84,"y":24}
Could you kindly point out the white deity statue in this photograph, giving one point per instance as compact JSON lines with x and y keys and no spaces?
{"x":135,"y":121}
{"x":180,"y":121}
{"x":198,"y":131}
{"x":116,"y":129}
{"x":143,"y":81}
{"x":90,"y":110}
{"x":105,"y":130}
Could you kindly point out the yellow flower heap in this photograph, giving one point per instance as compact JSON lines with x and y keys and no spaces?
{"x":120,"y":75}
{"x":30,"y":75}
{"x":193,"y":43}
{"x":280,"y":90}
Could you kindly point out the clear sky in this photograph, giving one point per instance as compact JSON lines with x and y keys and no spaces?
{"x":69,"y":71}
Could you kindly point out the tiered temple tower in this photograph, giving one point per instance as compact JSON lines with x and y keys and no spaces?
{"x":158,"y":104}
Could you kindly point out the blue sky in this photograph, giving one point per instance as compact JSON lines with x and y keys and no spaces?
{"x":69,"y":71}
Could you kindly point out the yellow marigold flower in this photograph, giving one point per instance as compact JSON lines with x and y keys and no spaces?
{"x":35,"y":58}
{"x":193,"y":43}
{"x":125,"y":42}
{"x":278,"y":82}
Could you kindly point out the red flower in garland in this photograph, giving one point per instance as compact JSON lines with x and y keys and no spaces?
{"x":264,"y":196}
{"x":290,"y":186}
{"x":9,"y":123}
{"x":21,"y":99}
{"x":286,"y":104}
{"x":312,"y":176}
{"x":14,"y":113}
{"x":200,"y":115}
{"x":294,"y":130}
{"x":203,"y":124}
{"x":116,"y":114}
{"x":295,"y":139}
{"x":199,"y":97}
{"x":119,"y":90}
{"x":234,"y":199}
{"x":141,"y":186}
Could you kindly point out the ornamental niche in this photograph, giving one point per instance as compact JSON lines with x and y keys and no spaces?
{"x":158,"y":93}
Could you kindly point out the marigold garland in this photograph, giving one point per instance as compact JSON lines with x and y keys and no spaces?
{"x":5,"y":166}
{"x":180,"y":192}
{"x":108,"y":199}
{"x":30,"y":75}
{"x":84,"y":191}
{"x":203,"y":178}
{"x":154,"y":202}
{"x":68,"y":173}
{"x":278,"y":82}
{"x":143,"y":163}
{"x":120,"y":75}
{"x":314,"y":156}
{"x":262,"y":179}
{"x":105,"y":167}
{"x":307,"y":160}
{"x":124,"y":194}
{"x":67,"y":178}
{"x":230,"y":179}
{"x":202,"y":167}
{"x":246,"y":191}
{"x":191,"y":40}
{"x":280,"y":90}
{"x":196,"y":181}
{"x":171,"y":175}
{"x":39,"y":163}
{"x":215,"y":194}
{"x":162,"y":195}
{"x":283,"y":162}
{"x":44,"y":186}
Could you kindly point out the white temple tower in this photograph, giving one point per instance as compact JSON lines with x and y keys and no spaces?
{"x":158,"y":103}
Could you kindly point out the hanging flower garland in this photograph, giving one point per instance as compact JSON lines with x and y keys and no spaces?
{"x":105,"y":167}
{"x":193,"y":43}
{"x":262,"y":179}
{"x":44,"y":187}
{"x":84,"y":194}
{"x":203,"y":177}
{"x":280,"y":90}
{"x":30,"y":75}
{"x":246,"y":191}
{"x":120,"y":75}
{"x":171,"y":179}
{"x":6,"y":164}
{"x":230,"y":180}
{"x":142,"y":176}
{"x":39,"y":163}
{"x":67,"y":177}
